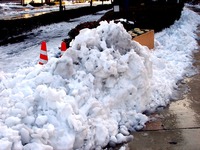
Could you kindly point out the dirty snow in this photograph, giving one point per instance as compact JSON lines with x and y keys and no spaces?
{"x":96,"y":93}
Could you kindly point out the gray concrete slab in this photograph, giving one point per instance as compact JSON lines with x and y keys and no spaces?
{"x":184,"y":139}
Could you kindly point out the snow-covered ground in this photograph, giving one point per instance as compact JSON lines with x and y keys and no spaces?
{"x":97,"y":91}
{"x":16,"y":11}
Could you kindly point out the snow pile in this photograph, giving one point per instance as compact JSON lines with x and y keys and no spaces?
{"x":97,"y":91}
{"x":91,"y":96}
{"x":173,"y":57}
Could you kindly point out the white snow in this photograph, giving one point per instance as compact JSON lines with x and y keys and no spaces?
{"x":96,"y":92}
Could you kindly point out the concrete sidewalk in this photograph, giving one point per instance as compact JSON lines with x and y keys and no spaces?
{"x":177,"y":127}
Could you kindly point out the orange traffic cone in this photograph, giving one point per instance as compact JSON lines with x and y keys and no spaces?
{"x":43,"y":54}
{"x":63,"y":48}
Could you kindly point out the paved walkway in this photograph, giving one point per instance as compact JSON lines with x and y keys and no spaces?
{"x":178,"y":126}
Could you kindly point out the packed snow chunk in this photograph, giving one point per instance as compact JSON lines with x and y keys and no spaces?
{"x":48,"y":97}
{"x":102,"y":135}
{"x":25,"y":136}
{"x":43,"y":78}
{"x":115,"y":36}
{"x":17,"y":145}
{"x":41,"y":120}
{"x":89,"y":41}
{"x":33,"y":73}
{"x":113,"y":141}
{"x":11,"y":121}
{"x":80,"y":139}
{"x":105,"y":36}
{"x":120,"y":138}
{"x":64,"y":67}
{"x":20,"y":110}
{"x":124,"y":130}
{"x":28,"y":120}
{"x":5,"y":145}
{"x":63,"y":140}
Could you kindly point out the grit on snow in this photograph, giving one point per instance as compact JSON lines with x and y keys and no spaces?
{"x":97,"y":92}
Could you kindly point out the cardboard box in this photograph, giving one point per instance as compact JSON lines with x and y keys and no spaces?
{"x":146,"y":39}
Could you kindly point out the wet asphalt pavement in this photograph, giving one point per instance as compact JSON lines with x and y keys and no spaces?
{"x":176,"y":127}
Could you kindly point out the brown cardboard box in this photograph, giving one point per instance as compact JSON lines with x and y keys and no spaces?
{"x":146,"y":39}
